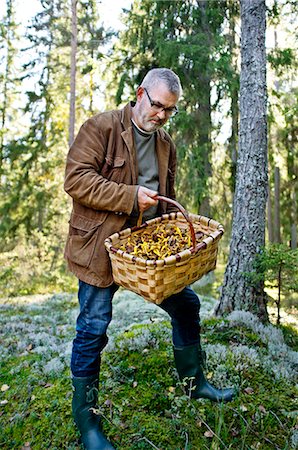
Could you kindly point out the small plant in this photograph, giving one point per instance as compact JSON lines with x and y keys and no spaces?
{"x":277,"y":266}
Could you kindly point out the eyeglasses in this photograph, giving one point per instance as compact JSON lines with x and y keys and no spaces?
{"x":170,"y":112}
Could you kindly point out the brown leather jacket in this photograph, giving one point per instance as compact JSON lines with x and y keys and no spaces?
{"x":101,"y":177}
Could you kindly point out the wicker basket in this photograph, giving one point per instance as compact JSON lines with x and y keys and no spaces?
{"x":157,"y":280}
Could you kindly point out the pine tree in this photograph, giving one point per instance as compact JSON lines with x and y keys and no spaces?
{"x":248,"y":228}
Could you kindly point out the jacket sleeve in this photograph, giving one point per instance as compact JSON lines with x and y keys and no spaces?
{"x":83,"y":179}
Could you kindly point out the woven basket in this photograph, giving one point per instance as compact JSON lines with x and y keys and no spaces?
{"x":157,"y":280}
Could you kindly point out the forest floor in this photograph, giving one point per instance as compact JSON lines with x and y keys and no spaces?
{"x":142,"y":404}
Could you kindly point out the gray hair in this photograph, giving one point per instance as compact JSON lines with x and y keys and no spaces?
{"x":163,"y":75}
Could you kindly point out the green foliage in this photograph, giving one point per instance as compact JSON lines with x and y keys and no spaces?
{"x":35,"y":265}
{"x":281,"y":59}
{"x":33,"y":207}
{"x":188,"y":37}
{"x":277,"y":266}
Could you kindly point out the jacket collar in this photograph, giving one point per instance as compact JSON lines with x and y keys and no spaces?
{"x":126,"y":114}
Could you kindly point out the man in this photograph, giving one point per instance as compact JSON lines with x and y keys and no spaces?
{"x":117,"y":164}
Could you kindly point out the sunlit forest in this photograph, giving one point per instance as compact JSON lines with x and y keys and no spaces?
{"x":35,"y":113}
{"x":62,"y":62}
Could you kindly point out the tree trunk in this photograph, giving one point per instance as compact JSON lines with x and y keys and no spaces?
{"x":277,"y":238}
{"x":9,"y":34}
{"x":269,"y":217}
{"x":204,"y":115}
{"x":249,"y":214}
{"x":74,"y":33}
{"x":234,"y":93}
{"x":294,"y":219}
{"x":279,"y":294}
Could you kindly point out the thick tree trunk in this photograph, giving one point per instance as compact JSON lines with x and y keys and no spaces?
{"x":72,"y":106}
{"x":248,"y":229}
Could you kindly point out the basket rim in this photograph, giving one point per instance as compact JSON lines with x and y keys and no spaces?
{"x":172,"y":259}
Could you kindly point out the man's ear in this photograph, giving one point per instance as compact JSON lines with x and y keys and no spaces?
{"x":140,"y":92}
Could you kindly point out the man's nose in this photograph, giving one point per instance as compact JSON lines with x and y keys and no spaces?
{"x":161,"y":114}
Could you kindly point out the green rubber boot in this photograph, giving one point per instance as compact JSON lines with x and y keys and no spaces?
{"x":85,"y":397}
{"x":189,"y":363}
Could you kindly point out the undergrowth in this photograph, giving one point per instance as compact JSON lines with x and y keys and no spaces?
{"x":142,"y":404}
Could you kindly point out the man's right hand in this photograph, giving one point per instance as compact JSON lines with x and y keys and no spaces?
{"x":146,"y":198}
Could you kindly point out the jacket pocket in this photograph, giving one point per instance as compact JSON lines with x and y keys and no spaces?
{"x":115,"y":170}
{"x":82,"y":239}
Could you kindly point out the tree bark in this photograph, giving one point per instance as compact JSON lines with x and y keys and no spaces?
{"x":269,"y":217}
{"x":74,"y":38}
{"x":277,"y":237}
{"x":9,"y":35}
{"x":204,"y":114}
{"x":249,"y":213}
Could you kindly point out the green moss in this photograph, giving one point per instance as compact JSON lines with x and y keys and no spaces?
{"x":142,"y":404}
{"x":290,"y":335}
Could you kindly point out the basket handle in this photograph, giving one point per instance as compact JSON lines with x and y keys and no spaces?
{"x":184,"y":213}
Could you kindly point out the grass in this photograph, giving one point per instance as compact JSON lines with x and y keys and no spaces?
{"x":141,"y":401}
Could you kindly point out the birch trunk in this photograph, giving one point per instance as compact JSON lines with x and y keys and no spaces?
{"x":249,"y":213}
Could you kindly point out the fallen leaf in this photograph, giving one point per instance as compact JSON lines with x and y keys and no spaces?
{"x":248,"y":390}
{"x":48,"y":385}
{"x":243,"y":408}
{"x":262,"y":409}
{"x":209,"y":434}
{"x":26,"y":446}
{"x":4,"y":387}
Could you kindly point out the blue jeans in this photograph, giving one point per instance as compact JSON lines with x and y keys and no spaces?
{"x":96,"y":314}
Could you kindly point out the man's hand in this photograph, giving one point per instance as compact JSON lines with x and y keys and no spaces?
{"x":146,"y":198}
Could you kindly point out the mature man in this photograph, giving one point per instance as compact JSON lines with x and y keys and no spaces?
{"x":117,"y":164}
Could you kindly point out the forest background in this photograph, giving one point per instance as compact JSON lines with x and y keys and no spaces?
{"x":38,"y":118}
{"x":43,"y":102}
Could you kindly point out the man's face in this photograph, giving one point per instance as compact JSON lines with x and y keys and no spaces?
{"x":149,"y":113}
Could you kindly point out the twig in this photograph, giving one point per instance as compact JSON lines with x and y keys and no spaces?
{"x":149,"y":442}
{"x":206,"y":424}
{"x":186,"y":441}
{"x":254,"y":432}
{"x":278,"y":419}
